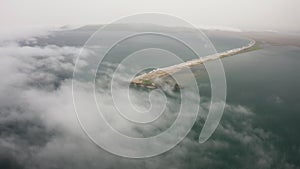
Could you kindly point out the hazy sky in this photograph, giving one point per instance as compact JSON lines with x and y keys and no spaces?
{"x":244,"y":14}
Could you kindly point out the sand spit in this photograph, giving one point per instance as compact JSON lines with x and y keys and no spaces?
{"x":153,"y":79}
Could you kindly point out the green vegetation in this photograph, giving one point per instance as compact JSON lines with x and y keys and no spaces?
{"x":147,"y":82}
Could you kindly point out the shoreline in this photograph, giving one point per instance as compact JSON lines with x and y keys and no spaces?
{"x":149,"y":79}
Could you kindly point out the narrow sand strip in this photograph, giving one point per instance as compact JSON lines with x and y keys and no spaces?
{"x":148,"y":79}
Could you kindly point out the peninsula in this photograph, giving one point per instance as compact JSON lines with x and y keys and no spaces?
{"x":150,"y":79}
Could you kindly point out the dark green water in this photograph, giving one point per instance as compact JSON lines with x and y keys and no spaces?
{"x":260,"y":126}
{"x":261,"y":122}
{"x":267,"y":81}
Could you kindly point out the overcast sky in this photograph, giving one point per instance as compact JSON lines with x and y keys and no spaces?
{"x":280,"y":15}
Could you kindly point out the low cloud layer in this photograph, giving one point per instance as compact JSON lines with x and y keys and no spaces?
{"x":39,"y":129}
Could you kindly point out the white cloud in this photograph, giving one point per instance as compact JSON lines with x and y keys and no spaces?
{"x":46,"y":134}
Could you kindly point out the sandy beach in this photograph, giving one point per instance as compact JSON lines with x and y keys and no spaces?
{"x":149,"y":79}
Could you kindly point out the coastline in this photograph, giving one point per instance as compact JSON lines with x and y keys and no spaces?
{"x":149,"y":80}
